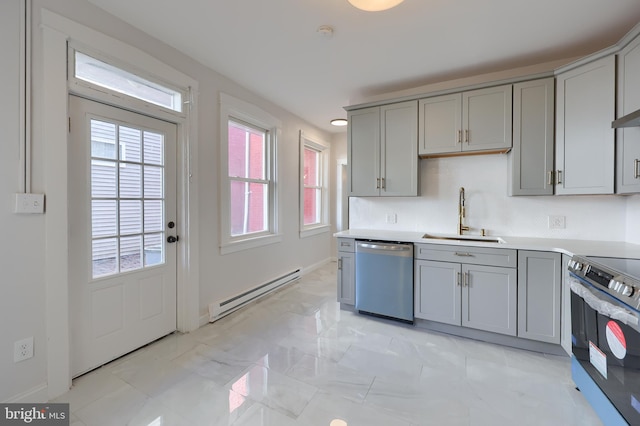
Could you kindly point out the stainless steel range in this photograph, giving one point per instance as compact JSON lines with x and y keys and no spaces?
{"x":605,"y":332}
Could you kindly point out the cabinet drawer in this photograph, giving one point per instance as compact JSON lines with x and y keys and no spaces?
{"x":466,"y":254}
{"x":346,"y":244}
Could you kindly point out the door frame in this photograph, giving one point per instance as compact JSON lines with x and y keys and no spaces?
{"x":50,"y":119}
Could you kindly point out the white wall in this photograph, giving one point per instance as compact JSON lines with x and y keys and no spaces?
{"x":22,"y":298}
{"x":488,"y":206}
{"x":633,"y":219}
{"x":23,"y":261}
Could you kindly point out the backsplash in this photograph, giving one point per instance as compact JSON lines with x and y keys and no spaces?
{"x":484,"y":177}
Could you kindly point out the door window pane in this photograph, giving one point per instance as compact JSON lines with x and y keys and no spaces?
{"x":127,"y":202}
{"x":130,"y":253}
{"x":130,"y":144}
{"x":130,"y":180}
{"x":103,"y":179}
{"x":104,"y":257}
{"x":103,"y":140}
{"x":153,"y":249}
{"x":153,"y":148}
{"x":130,"y":217}
{"x":153,"y":219}
{"x":104,"y":218}
{"x":153,"y":182}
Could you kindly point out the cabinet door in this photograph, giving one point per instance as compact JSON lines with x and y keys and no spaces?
{"x":346,"y":278}
{"x":439,"y":124}
{"x":486,"y":118}
{"x":628,"y":139}
{"x":399,"y":149}
{"x":489,"y":298}
{"x":531,"y":159}
{"x":584,"y":137}
{"x":539,"y":293}
{"x":364,"y":152}
{"x":437,"y":291}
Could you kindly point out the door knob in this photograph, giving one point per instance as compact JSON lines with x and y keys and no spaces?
{"x":171,"y":239}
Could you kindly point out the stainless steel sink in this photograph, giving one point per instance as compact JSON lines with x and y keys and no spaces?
{"x":462,"y":238}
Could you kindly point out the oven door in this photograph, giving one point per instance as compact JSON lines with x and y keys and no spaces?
{"x":606,"y":342}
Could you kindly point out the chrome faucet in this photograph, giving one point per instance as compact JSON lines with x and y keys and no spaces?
{"x":461,"y":214}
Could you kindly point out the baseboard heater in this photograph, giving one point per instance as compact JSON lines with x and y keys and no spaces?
{"x":219,"y":309}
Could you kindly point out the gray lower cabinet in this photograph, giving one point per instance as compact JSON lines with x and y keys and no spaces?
{"x":480,"y":296}
{"x":539,"y":295}
{"x":346,"y":271}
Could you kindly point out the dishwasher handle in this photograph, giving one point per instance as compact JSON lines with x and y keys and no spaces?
{"x":397,"y":249}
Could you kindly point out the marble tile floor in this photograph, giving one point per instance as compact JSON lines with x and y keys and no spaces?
{"x":295,"y":358}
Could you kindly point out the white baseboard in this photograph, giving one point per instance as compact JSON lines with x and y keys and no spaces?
{"x":35,"y":395}
{"x":315,"y":266}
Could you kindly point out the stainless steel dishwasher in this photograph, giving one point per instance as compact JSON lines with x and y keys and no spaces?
{"x":384,"y":279}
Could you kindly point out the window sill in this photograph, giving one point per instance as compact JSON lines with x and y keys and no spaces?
{"x":316,"y":230}
{"x":236,"y":246}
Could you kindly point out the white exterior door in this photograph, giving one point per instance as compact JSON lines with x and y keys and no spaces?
{"x":122,"y":231}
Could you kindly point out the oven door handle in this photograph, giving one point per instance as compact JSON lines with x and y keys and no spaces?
{"x":602,"y":306}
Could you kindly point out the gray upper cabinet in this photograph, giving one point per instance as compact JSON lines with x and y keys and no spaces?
{"x":382,"y":150}
{"x":584,"y":138}
{"x":531,"y":159}
{"x":472,"y":121}
{"x":539,"y":295}
{"x":628,"y":139}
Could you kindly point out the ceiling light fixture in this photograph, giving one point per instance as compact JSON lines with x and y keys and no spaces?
{"x":339,"y":122}
{"x":375,"y":5}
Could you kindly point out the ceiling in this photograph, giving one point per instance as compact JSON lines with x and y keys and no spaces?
{"x":273,"y":47}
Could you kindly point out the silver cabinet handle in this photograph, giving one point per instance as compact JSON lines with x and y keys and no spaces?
{"x":345,"y":244}
{"x":459,"y":276}
{"x":459,"y":136}
{"x":636,"y":171}
{"x":466,"y":135}
{"x":559,"y":173}
{"x":377,"y":183}
{"x":384,"y":184}
{"x":463,"y":254}
{"x":465,"y":279}
{"x":550,"y":177}
{"x":340,"y":264}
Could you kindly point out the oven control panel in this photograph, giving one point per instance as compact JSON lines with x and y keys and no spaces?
{"x":621,"y":286}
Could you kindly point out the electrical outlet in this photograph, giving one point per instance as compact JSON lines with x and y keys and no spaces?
{"x":392,"y":218}
{"x":23,"y":349}
{"x":557,"y":222}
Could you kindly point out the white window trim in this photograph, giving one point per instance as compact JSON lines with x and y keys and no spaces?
{"x":324,"y":149}
{"x":233,"y":108}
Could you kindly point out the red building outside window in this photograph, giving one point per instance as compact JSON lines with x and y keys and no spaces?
{"x":249,"y":180}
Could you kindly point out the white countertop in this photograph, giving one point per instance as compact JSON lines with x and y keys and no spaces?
{"x":569,"y":247}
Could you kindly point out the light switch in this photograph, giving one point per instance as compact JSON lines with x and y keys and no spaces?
{"x":29,"y":203}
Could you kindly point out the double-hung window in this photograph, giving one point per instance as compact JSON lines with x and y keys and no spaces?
{"x":314,"y":183}
{"x":249,"y":211}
